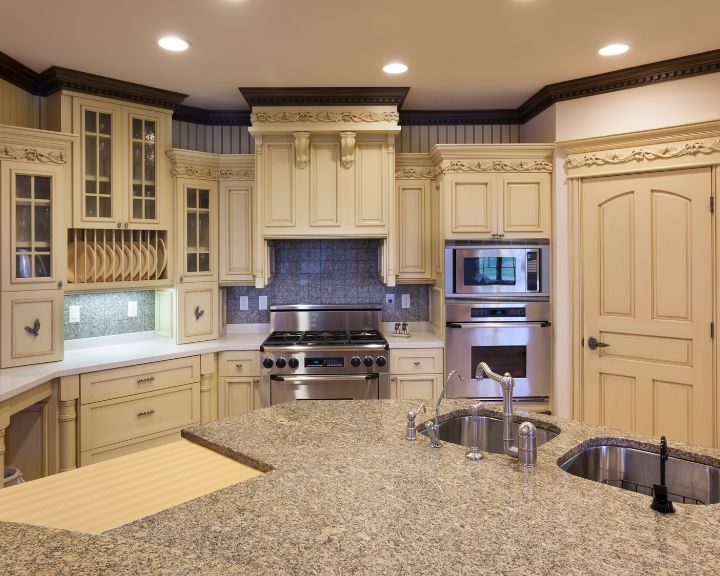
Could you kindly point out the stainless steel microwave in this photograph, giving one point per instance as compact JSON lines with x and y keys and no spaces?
{"x":492,"y":270}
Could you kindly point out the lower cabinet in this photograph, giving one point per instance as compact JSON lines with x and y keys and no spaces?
{"x":238,"y":382}
{"x":124,"y":410}
{"x":415,"y":373}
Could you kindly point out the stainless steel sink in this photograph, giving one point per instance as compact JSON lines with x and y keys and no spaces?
{"x":637,"y":470}
{"x":490,"y":430}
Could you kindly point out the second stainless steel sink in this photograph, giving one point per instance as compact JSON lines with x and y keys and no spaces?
{"x":490,"y":430}
{"x":637,"y":470}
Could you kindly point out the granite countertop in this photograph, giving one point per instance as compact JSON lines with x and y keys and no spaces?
{"x":345,"y":493}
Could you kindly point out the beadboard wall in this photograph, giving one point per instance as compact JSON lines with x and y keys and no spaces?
{"x":412,"y":139}
{"x":17,"y":107}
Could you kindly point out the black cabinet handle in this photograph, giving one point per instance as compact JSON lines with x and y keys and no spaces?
{"x":35,"y":330}
{"x":198,"y":312}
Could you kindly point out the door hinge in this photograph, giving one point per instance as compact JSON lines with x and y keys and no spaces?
{"x":712,"y":330}
{"x":712,"y":204}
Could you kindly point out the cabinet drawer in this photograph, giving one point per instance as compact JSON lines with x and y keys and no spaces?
{"x":112,"y":421}
{"x":239,"y":364}
{"x":198,"y":312}
{"x":33,"y":327}
{"x":119,"y":382}
{"x":411,"y":361}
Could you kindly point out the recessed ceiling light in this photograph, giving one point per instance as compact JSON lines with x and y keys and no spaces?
{"x":395,"y":68}
{"x":613,"y":49}
{"x":173,"y":43}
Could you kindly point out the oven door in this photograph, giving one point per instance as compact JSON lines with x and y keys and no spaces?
{"x":491,"y":271}
{"x":521,"y":348}
{"x":324,"y":387}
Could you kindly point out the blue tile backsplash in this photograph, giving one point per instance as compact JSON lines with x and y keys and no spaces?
{"x":105,"y":313}
{"x":327,"y":272}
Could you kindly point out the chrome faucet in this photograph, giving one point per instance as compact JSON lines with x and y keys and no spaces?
{"x":527,"y":455}
{"x":434,"y":429}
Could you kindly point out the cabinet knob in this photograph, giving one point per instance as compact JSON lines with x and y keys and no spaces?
{"x":417,"y":364}
{"x":501,"y":235}
{"x":393,"y":379}
{"x":256,"y":381}
{"x":119,"y":224}
{"x":126,"y":226}
{"x":238,"y":366}
{"x":34,"y":330}
{"x":60,"y":284}
{"x":198,"y":312}
{"x":146,"y":413}
{"x":181,"y":278}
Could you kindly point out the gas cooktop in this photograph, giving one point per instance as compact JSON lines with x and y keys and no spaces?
{"x":324,"y":338}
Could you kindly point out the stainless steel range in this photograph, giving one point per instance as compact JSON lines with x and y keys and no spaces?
{"x":324,"y":352}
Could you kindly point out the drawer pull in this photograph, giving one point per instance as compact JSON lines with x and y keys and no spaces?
{"x":417,"y":363}
{"x":198,"y":312}
{"x":238,"y":366}
{"x":146,"y":413}
{"x":146,"y":380}
{"x":35,"y":330}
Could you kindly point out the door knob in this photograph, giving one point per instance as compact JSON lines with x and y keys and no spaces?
{"x":594,"y":343}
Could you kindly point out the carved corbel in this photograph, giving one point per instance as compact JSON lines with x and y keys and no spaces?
{"x":347,"y":149}
{"x":302,"y":149}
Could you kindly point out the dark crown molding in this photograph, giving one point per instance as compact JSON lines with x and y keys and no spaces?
{"x":18,"y":74}
{"x":212,"y":117}
{"x":446,"y":117}
{"x":324,"y":96}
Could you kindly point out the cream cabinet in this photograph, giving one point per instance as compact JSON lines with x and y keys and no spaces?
{"x":124,"y":410}
{"x":238,"y":383}
{"x":197,"y":230}
{"x":120,"y":177}
{"x":34,"y":177}
{"x":236,"y":232}
{"x":189,"y":313}
{"x":414,"y":233}
{"x":486,"y":206}
{"x":416,"y":373}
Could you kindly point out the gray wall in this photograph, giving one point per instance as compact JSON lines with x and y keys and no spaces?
{"x":327,"y":272}
{"x":237,"y":139}
{"x":105,"y":313}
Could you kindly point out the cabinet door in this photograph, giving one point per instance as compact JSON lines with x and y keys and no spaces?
{"x":98,"y":194}
{"x":198,"y":210}
{"x":236,"y":232}
{"x":145,"y":152}
{"x":32,"y":232}
{"x":236,"y":395}
{"x":524,"y":205}
{"x":414,"y":231}
{"x":415,"y":387}
{"x":198,"y":313}
{"x":325,"y":185}
{"x":279,"y":175}
{"x":32,"y":327}
{"x":470,"y":206}
{"x":371,"y":193}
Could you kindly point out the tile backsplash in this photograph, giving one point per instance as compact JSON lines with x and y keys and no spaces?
{"x":327,"y":272}
{"x":106,"y":313}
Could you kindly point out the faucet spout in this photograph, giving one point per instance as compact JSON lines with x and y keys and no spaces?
{"x":507,"y":383}
{"x":434,"y":441}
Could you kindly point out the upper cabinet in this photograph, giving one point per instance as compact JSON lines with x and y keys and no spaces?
{"x":120,"y":178}
{"x":495,"y":191}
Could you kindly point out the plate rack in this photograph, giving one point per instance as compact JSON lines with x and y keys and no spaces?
{"x":107,"y":258}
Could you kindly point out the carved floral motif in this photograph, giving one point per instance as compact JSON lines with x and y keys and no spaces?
{"x":323,"y":116}
{"x":213,"y":173}
{"x":498,"y":166}
{"x":31,"y":155}
{"x":412,"y":173}
{"x":639,"y":154}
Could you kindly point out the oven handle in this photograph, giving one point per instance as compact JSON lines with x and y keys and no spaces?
{"x":543,"y":324}
{"x":325,"y":377}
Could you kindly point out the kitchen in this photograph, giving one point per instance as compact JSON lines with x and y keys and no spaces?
{"x":311,"y":248}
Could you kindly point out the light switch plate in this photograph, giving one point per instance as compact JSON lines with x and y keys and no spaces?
{"x":389,"y":298}
{"x":243,"y":302}
{"x":132,"y":308}
{"x":262,"y":303}
{"x":406,"y":300}
{"x":74,"y":314}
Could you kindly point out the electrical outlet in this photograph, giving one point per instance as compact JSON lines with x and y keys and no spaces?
{"x":262,"y":303}
{"x":132,"y":308}
{"x":243,"y":302}
{"x":74,"y":313}
{"x":406,"y":300}
{"x":389,"y":298}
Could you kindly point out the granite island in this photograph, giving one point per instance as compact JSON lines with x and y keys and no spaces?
{"x":345,"y":493}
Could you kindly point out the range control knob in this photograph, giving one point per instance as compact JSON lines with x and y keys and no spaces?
{"x":368,"y":361}
{"x":293,"y":363}
{"x":280,"y":362}
{"x":381,"y":361}
{"x":355,"y":361}
{"x":268,"y":363}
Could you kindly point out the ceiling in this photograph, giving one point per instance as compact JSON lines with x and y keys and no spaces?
{"x":462,"y":54}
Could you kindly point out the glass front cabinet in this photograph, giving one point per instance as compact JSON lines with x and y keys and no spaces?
{"x":121,"y":179}
{"x":34,"y":174}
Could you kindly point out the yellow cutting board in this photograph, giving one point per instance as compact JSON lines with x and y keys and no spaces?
{"x":108,"y":494}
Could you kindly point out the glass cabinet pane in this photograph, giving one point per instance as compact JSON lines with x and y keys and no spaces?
{"x":32,"y":210}
{"x":197,"y":230}
{"x":143,"y":169}
{"x":97,"y":139}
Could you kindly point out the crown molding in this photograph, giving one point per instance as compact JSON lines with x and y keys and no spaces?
{"x":332,"y":96}
{"x":18,"y":74}
{"x":212,"y":117}
{"x":447,"y":117}
{"x":673,"y":69}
